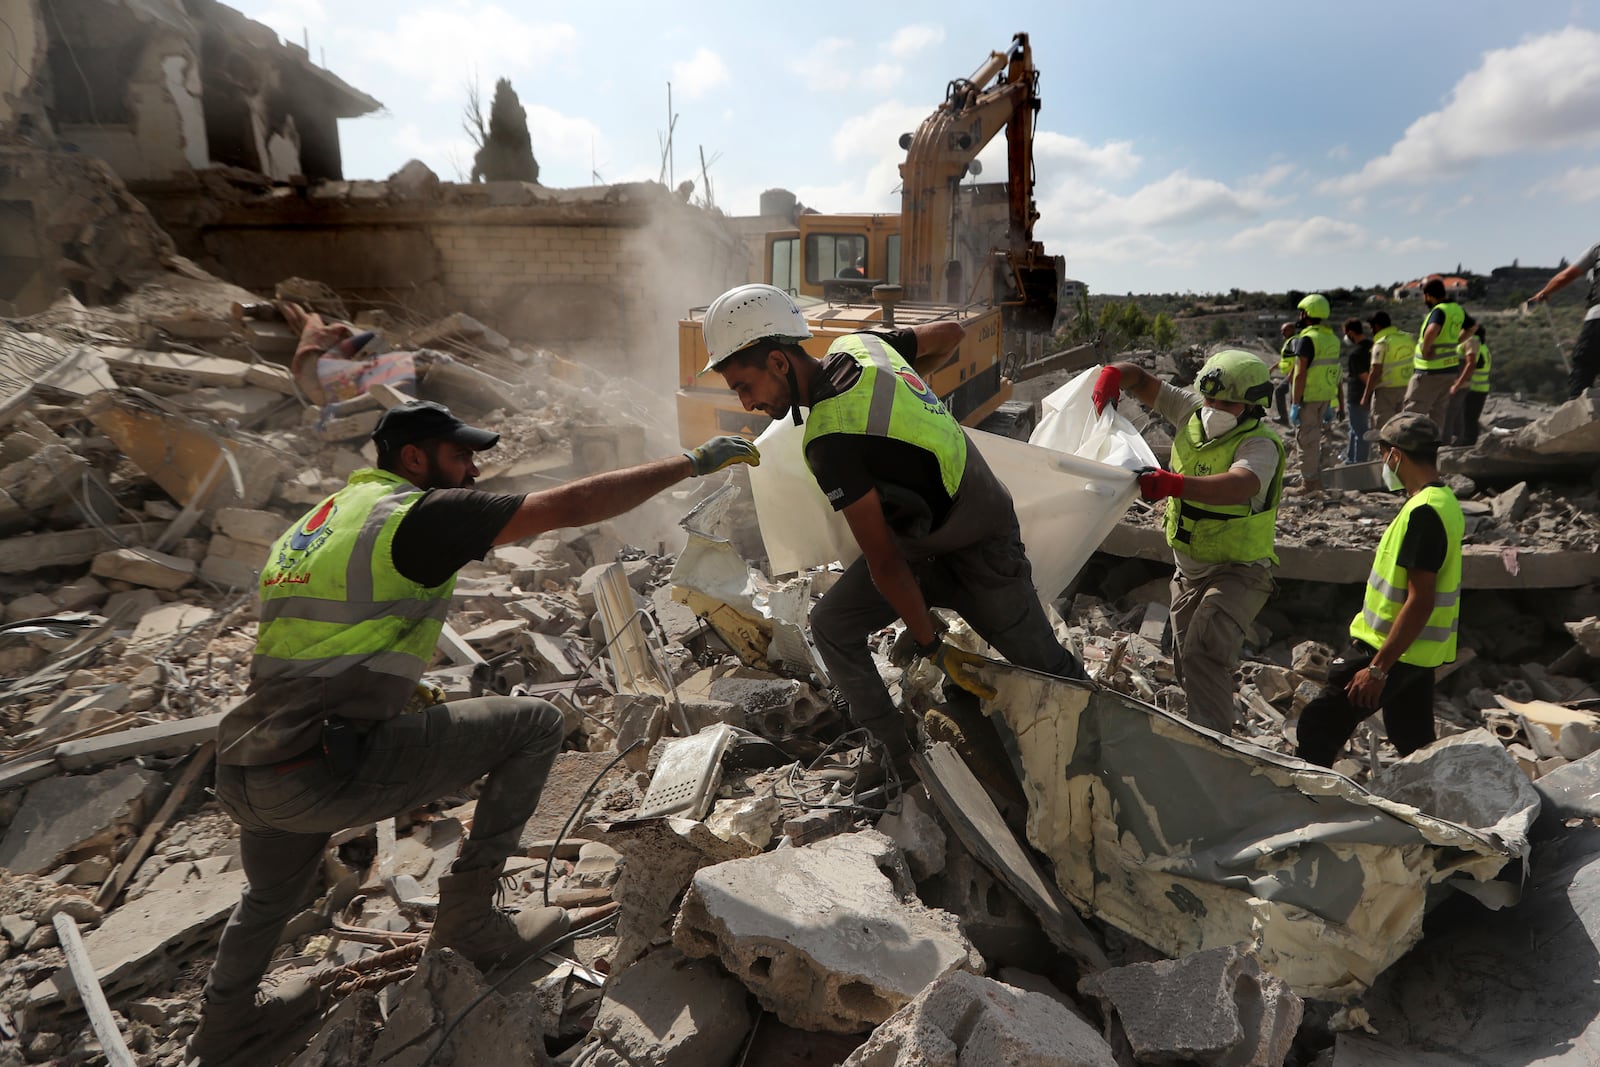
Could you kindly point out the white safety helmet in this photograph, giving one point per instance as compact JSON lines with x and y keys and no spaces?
{"x":746,"y":314}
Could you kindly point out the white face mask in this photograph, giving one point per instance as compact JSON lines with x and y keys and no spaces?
{"x":1217,"y":422}
{"x":1391,"y":478}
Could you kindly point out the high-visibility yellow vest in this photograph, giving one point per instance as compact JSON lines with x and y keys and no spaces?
{"x":1286,"y":358}
{"x":890,"y":400}
{"x":1386,"y":585}
{"x":1447,"y":345}
{"x":1399,"y":349}
{"x":1322,"y":377}
{"x":1480,"y":370}
{"x":1222,"y":533}
{"x":332,"y":601}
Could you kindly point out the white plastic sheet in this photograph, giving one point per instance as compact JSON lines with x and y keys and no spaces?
{"x":1069,"y":424}
{"x":1066,"y":505}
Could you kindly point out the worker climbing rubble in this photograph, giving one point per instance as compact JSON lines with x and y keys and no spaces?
{"x":336,"y":731}
{"x":934,"y":524}
{"x":1222,"y":510}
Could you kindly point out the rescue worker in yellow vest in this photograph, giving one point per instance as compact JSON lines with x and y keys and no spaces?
{"x":1472,"y":387}
{"x":336,"y":730}
{"x":1407,"y":625}
{"x":1280,"y":390}
{"x":1222,"y":509}
{"x":1438,"y":357}
{"x":1392,"y":365}
{"x":1316,"y":385}
{"x":935,"y":526}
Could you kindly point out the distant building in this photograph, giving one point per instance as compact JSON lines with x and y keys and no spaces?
{"x":1454,"y":287}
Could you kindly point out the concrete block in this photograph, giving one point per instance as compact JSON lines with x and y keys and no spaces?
{"x":67,"y":813}
{"x":501,"y":1029}
{"x":82,"y":595}
{"x":1311,"y":660}
{"x":1512,"y":504}
{"x":1214,"y":1007}
{"x":666,"y":1011}
{"x":144,"y":566}
{"x":1275,"y":683}
{"x":966,"y":1019}
{"x":822,"y":936}
{"x":251,"y":525}
{"x":167,"y":624}
{"x":777,"y":706}
{"x":68,"y":548}
{"x":32,"y":606}
{"x":915,"y":830}
{"x":229,"y":573}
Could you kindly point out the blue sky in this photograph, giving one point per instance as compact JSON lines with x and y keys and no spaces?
{"x":1182,"y":146}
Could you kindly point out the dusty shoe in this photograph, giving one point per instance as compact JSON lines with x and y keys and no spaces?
{"x":250,"y":1033}
{"x":472,"y":922}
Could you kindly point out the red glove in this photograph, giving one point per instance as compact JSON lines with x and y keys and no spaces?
{"x":1107,"y":388}
{"x":1157,"y":484}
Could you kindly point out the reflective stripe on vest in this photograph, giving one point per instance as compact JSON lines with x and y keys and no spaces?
{"x":1480,"y":371}
{"x":1322,"y":377}
{"x":890,"y":400}
{"x":1446,"y":346}
{"x":1386,"y":585}
{"x":1221,"y":533}
{"x":331,"y":600}
{"x":1399,"y":349}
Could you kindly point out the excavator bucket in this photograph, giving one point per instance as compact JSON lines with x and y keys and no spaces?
{"x":1030,"y":292}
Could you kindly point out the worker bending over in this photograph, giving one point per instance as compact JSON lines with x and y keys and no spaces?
{"x":934,"y":524}
{"x":1222,"y":510}
{"x":1407,"y":625}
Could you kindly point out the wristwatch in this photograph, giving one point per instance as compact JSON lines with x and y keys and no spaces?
{"x":1377,"y":672}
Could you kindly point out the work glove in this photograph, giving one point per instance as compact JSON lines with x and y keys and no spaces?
{"x":1107,"y":388}
{"x":1158,"y":484}
{"x":1294,"y":414}
{"x":423,"y":696}
{"x":720,"y":452}
{"x":959,"y":666}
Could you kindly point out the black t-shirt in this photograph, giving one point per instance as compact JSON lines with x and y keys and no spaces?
{"x":847,"y":466}
{"x":1361,"y":357}
{"x":1425,"y":545}
{"x":447,"y":529}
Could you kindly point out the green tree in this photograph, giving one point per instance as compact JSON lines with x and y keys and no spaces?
{"x":1110,"y":312}
{"x":1219,"y":330}
{"x":1163,"y":333}
{"x":1133,"y":322}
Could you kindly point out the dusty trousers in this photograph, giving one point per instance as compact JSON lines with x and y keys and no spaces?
{"x":1429,"y":394}
{"x":1210,"y":618}
{"x":989,"y":583}
{"x":1309,"y":438}
{"x":1386,"y":404}
{"x":286,"y":812}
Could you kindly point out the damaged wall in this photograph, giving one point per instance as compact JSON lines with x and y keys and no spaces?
{"x":25,"y":48}
{"x":602,"y":273}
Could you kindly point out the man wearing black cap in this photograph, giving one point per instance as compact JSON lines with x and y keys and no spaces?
{"x":353,"y":598}
{"x":1407,"y":625}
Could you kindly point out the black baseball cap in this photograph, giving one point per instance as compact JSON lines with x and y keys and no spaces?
{"x":424,"y":420}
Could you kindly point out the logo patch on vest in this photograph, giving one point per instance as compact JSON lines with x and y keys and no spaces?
{"x":305,"y":539}
{"x":920,"y":388}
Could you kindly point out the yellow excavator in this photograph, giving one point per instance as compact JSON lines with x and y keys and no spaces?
{"x":953,"y":252}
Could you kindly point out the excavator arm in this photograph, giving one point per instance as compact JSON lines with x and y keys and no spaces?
{"x":1002,"y":94}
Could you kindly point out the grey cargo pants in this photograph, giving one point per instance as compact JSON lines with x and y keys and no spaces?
{"x":989,"y":583}
{"x":287,"y":812}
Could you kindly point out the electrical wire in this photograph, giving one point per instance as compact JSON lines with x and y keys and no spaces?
{"x":576,"y":811}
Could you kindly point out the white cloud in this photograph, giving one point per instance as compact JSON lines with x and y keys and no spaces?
{"x":1114,"y":159}
{"x":1140,"y":248}
{"x":1409,"y":245}
{"x":1541,"y":94}
{"x":569,"y":143}
{"x":1316,"y":235}
{"x":462,"y":40}
{"x":700,"y":73}
{"x":1577,"y":185}
{"x":910,"y":40}
{"x":1176,"y":200}
{"x":1276,"y":174}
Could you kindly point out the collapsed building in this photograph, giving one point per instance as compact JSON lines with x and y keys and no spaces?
{"x":1079,"y":877}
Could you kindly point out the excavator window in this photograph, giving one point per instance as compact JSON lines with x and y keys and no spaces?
{"x":786,"y":264}
{"x":835,"y":255}
{"x":891,"y":264}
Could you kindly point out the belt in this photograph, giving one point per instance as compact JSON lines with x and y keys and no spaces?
{"x":294,"y":763}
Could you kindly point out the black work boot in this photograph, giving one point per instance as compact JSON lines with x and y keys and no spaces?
{"x":250,"y":1031}
{"x":471,"y":921}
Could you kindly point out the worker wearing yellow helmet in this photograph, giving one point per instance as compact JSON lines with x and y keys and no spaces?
{"x":1316,"y":385}
{"x":1222,"y":498}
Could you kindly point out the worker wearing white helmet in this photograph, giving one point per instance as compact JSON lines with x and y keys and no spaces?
{"x":935,"y":526}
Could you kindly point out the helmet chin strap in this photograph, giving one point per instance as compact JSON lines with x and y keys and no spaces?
{"x":794,"y":394}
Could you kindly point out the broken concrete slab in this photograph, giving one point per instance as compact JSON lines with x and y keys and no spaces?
{"x":1187,"y":840}
{"x":965,"y":1019}
{"x":1516,"y":986}
{"x":445,"y":986}
{"x":144,"y":566}
{"x":66,"y":548}
{"x":177,"y":735}
{"x":1216,"y":1007}
{"x":250,"y":525}
{"x":666,"y":1011}
{"x":140,"y":945}
{"x":823,"y":937}
{"x":917,"y":833}
{"x":61,"y":815}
